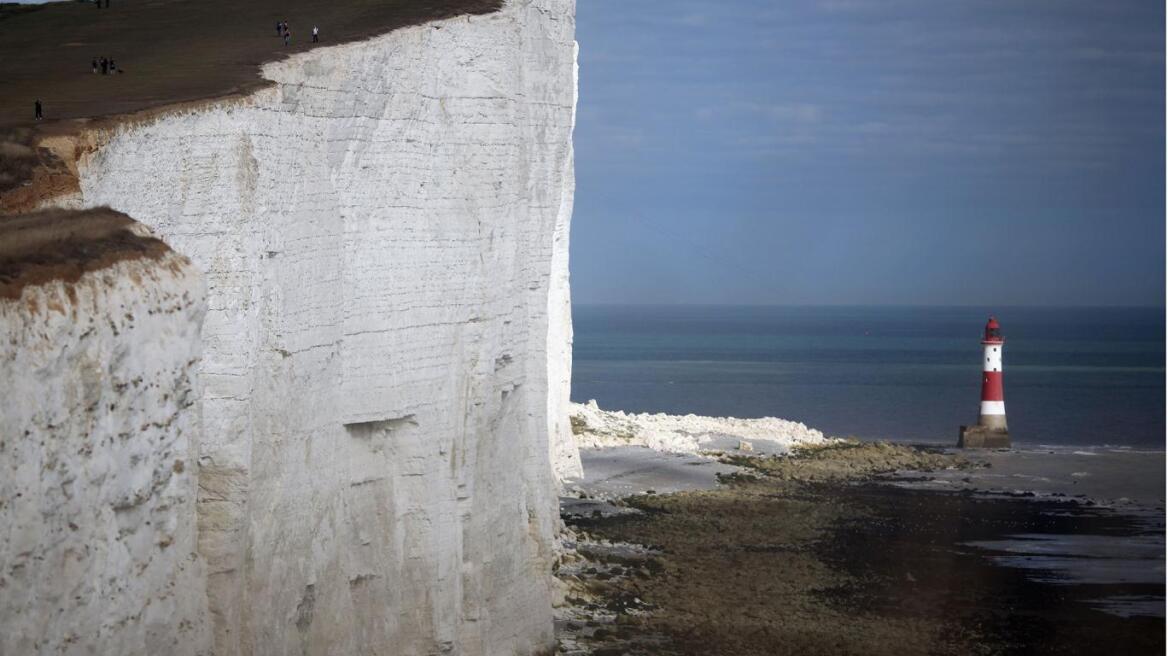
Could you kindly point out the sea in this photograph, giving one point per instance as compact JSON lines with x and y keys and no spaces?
{"x":1073,"y":376}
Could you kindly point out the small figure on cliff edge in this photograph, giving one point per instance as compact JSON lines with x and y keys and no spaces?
{"x":95,"y":65}
{"x":315,"y":34}
{"x":287,"y":36}
{"x":40,"y":110}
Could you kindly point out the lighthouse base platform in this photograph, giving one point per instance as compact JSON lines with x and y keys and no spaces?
{"x":981,"y":437}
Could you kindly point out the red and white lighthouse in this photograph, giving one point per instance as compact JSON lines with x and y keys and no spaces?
{"x":993,"y":402}
{"x":990,"y":430}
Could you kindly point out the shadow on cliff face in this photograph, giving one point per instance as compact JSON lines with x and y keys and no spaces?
{"x":771,"y":566}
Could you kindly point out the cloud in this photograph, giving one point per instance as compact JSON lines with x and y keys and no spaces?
{"x":782,"y":112}
{"x":844,"y":5}
{"x":622,"y":136}
{"x":874,"y":128}
{"x":694,"y":20}
{"x":794,"y":112}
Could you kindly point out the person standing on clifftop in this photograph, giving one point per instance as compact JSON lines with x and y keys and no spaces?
{"x":287,"y":36}
{"x":40,"y":111}
{"x":95,"y":65}
{"x":315,"y":34}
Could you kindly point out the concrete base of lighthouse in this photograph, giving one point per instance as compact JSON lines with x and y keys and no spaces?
{"x":983,"y":437}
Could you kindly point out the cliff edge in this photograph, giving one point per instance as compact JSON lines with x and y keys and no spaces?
{"x":382,"y":230}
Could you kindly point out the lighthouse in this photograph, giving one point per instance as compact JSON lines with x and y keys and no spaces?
{"x":990,"y":431}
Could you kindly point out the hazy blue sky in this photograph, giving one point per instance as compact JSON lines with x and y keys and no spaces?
{"x":870,"y":151}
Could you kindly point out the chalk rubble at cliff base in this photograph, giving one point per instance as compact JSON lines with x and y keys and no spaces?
{"x":594,"y":428}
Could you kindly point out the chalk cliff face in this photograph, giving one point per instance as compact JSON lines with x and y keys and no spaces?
{"x":564,"y":452}
{"x":385,"y":353}
{"x":98,"y":427}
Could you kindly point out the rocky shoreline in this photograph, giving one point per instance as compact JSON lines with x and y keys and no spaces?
{"x":815,"y":553}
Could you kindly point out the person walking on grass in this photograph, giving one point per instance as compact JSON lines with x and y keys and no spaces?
{"x":315,"y":34}
{"x":38,"y":109}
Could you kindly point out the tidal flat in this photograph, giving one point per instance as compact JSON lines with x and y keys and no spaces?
{"x":818,"y":554}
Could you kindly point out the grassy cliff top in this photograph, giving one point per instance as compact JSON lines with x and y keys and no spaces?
{"x":168,"y":52}
{"x":63,"y":245}
{"x":174,"y":51}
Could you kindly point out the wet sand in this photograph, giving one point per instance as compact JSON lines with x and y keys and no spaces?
{"x":616,"y":472}
{"x":1111,"y":476}
{"x":822,"y":563}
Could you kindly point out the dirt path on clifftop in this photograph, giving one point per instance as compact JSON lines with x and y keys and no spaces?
{"x":820,"y":560}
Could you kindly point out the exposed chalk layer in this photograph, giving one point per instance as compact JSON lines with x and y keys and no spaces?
{"x":384,"y":238}
{"x":99,"y":421}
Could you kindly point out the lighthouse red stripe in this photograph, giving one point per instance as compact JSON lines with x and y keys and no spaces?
{"x":991,"y":386}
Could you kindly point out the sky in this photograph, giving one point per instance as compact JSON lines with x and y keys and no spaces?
{"x":900,"y":152}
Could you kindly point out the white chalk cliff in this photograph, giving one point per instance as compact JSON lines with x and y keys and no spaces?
{"x":383,"y":235}
{"x":98,"y":423}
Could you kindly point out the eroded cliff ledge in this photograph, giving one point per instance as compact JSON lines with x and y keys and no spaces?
{"x":98,"y":424}
{"x":383,"y":235}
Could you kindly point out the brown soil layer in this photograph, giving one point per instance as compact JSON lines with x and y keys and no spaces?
{"x":827,"y":564}
{"x":64,"y":244}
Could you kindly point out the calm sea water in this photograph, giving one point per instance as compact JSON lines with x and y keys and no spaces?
{"x":1078,"y":376}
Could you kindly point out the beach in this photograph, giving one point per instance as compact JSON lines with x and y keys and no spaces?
{"x":862,"y":547}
